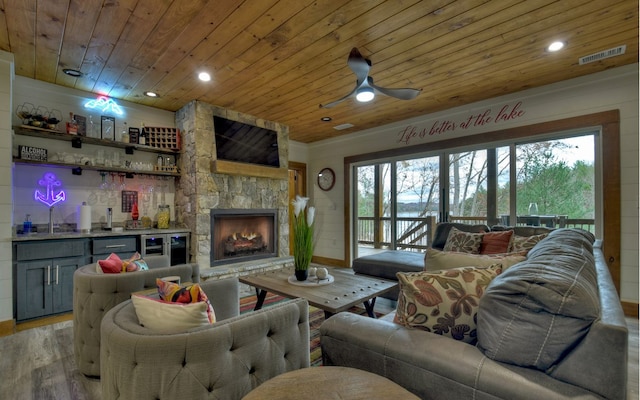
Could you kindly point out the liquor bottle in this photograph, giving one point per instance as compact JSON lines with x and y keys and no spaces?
{"x":142,"y":138}
{"x":72,"y":125}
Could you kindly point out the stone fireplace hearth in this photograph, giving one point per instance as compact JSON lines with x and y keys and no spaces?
{"x":200,"y":189}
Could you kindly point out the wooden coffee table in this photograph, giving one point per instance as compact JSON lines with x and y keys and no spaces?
{"x":346,"y":291}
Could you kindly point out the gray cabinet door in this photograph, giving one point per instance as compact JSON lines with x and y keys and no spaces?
{"x":45,"y":287}
{"x":62,"y":283}
{"x":33,"y":285}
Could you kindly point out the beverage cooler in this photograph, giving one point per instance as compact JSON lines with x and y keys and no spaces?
{"x":175,"y":245}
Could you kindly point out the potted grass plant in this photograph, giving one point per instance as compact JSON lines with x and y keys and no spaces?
{"x":302,"y":236}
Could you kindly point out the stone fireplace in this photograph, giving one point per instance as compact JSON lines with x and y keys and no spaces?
{"x":206,"y":185}
{"x":242,"y":235}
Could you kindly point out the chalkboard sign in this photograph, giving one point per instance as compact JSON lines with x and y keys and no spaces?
{"x":32,"y":153}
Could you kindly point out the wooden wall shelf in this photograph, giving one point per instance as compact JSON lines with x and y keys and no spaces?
{"x":94,"y":167}
{"x":26,"y":130}
{"x":32,"y":131}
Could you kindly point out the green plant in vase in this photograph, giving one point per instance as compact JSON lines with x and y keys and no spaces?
{"x":302,"y":236}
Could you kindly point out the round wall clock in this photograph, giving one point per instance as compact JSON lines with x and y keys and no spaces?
{"x":326,"y":179}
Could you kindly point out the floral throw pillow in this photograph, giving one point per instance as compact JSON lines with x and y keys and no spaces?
{"x":465,"y":242}
{"x":525,"y":243}
{"x":444,"y":302}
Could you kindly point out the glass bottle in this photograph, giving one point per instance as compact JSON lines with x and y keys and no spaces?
{"x":164,"y":215}
{"x":26,"y":226}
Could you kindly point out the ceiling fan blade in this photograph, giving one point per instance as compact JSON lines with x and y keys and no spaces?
{"x":398,"y":93}
{"x":359,"y":65}
{"x":333,"y":103}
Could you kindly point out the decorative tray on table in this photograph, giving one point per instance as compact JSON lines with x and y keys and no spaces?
{"x":311,"y":281}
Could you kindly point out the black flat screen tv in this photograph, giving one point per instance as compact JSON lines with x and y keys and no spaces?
{"x":244,"y":143}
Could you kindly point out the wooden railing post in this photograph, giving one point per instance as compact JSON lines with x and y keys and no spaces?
{"x":431,"y":229}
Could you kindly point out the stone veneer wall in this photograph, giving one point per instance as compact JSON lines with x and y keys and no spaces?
{"x":198,"y":190}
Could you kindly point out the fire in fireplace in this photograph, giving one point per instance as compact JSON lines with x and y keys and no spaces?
{"x":242,"y":235}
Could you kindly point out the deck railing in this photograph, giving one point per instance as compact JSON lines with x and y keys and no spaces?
{"x":416,"y":233}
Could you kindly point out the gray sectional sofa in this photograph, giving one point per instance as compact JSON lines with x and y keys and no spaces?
{"x":549,"y":327}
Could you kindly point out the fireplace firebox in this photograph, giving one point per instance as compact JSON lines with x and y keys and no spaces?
{"x":239,"y":235}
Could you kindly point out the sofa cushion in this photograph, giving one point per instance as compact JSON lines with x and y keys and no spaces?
{"x":388,"y":263}
{"x":161,"y":316}
{"x":467,"y":242}
{"x":436,"y":260}
{"x":537,"y":311}
{"x":443,"y":302}
{"x":496,"y":242}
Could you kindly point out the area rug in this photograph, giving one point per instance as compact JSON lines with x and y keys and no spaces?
{"x":316,"y":318}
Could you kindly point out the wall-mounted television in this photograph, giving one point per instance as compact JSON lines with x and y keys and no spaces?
{"x":240,"y":142}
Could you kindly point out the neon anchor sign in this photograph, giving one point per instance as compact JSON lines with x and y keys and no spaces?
{"x":50,"y":197}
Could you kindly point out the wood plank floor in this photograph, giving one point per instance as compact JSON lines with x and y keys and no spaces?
{"x":37,"y":363}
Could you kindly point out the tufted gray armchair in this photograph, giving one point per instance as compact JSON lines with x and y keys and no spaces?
{"x":225,"y":360}
{"x":94,"y":294}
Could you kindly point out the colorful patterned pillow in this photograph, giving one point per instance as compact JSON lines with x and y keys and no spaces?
{"x":496,"y":242}
{"x":166,"y":317}
{"x":525,"y":243}
{"x":436,"y":260}
{"x":134,"y":263}
{"x":466,"y":242}
{"x":444,"y":302}
{"x":114,"y":265}
{"x":174,"y":293}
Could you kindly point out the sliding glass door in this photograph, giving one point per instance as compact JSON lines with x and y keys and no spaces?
{"x":398,"y":202}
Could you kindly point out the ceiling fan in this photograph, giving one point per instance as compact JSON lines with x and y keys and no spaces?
{"x":365,"y":88}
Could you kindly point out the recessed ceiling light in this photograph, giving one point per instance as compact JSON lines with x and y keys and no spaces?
{"x":555,"y":46}
{"x":325,"y":119}
{"x":72,"y":72}
{"x":151,"y":94}
{"x":203,"y":76}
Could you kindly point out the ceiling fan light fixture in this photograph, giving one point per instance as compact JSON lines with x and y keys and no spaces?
{"x":365,"y":94}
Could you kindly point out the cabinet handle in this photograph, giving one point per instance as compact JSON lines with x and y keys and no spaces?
{"x":111,"y":246}
{"x":57,"y":268}
{"x":48,"y":275}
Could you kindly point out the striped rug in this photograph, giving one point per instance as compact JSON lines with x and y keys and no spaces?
{"x":316,"y":317}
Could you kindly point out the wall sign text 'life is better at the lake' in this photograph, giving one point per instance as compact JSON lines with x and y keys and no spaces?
{"x":506,"y":113}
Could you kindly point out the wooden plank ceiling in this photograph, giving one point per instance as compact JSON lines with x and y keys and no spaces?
{"x":279,"y":59}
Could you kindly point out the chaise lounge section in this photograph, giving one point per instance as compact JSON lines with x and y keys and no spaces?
{"x":387,"y":264}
